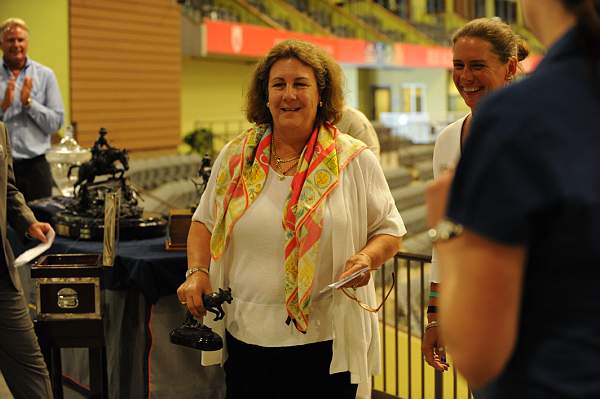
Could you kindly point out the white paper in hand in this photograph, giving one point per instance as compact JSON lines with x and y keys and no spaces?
{"x":36,"y":251}
{"x":343,"y":281}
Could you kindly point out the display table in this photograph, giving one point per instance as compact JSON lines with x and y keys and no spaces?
{"x":143,"y":264}
{"x":140,"y":309}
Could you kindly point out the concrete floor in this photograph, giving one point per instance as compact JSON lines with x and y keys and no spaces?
{"x":5,"y":393}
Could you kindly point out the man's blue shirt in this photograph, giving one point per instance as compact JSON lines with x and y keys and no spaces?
{"x":30,"y":127}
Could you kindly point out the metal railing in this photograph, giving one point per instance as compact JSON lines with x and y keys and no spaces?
{"x":405,"y":374}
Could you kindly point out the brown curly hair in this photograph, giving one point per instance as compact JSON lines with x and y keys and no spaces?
{"x":328,"y":75}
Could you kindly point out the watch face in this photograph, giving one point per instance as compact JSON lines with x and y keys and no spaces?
{"x":445,"y":230}
{"x":433,"y":234}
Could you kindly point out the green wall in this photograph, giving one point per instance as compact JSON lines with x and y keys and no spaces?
{"x":434,"y":79}
{"x":48,"y":22}
{"x":366,"y":79}
{"x":418,"y":9}
{"x":213,"y":91}
{"x":489,"y":8}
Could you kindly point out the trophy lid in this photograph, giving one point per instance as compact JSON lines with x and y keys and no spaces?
{"x":64,"y":155}
{"x":68,"y":150}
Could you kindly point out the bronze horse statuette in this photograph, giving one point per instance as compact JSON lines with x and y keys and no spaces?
{"x":193,"y":333}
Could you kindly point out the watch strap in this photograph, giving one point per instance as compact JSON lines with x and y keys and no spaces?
{"x":444,"y":231}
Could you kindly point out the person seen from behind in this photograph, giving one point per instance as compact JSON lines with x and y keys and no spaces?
{"x":357,"y":125}
{"x":518,"y":239}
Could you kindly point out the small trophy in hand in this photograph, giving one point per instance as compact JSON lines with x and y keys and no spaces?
{"x":193,"y":334}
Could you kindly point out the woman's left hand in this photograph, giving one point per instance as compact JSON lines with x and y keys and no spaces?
{"x":354,"y":263}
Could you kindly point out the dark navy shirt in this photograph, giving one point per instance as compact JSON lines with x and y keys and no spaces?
{"x":530,"y":176}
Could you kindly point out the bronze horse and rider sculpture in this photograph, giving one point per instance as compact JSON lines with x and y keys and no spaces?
{"x":103,"y":162}
{"x":82,"y":217}
{"x":106,"y":161}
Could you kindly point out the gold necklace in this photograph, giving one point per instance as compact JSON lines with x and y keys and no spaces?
{"x":279,"y":162}
{"x":278,"y":159}
{"x":282,"y":173}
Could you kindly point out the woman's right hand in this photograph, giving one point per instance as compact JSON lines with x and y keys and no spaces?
{"x":190,"y":293}
{"x":433,"y":349}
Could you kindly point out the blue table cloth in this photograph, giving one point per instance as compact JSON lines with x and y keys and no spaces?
{"x":144,"y":264}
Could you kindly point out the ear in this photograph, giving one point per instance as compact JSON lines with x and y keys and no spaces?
{"x":511,"y":69}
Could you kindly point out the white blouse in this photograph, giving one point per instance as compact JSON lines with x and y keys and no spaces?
{"x":360,"y":207}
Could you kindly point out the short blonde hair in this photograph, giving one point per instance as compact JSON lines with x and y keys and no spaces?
{"x":12,"y":23}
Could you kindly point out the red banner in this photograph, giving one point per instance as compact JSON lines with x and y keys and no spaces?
{"x":227,"y":38}
{"x":255,"y":41}
{"x":416,"y":56}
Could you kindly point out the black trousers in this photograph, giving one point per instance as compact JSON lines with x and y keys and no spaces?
{"x":21,"y":360}
{"x":253,"y":371}
{"x":33,"y":177}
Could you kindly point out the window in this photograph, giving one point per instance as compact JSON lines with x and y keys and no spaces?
{"x":470,"y":9}
{"x":398,"y":7}
{"x":382,"y":101}
{"x":479,"y":8}
{"x":403,"y":8}
{"x":435,"y":6}
{"x":413,"y":97}
{"x":507,"y":10}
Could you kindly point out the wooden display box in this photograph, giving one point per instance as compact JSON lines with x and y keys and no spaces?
{"x":67,"y":287}
{"x":178,"y":228}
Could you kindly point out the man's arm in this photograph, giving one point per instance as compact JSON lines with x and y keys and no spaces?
{"x":49,"y":116}
{"x":20,"y":217}
{"x":8,"y":95}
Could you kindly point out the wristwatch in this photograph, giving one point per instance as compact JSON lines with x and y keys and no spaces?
{"x":27,"y":102}
{"x":444,"y":231}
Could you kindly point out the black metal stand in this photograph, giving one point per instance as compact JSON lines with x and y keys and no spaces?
{"x":56,"y":334}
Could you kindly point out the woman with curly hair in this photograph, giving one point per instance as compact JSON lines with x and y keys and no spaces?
{"x":291,"y":206}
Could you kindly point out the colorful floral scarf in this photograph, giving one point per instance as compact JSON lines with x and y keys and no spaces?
{"x":240,"y":180}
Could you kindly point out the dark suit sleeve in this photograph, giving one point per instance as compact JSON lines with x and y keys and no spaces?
{"x":18,"y":213}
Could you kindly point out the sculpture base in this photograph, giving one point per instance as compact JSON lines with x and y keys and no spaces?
{"x":79,"y":227}
{"x":196,"y":337}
